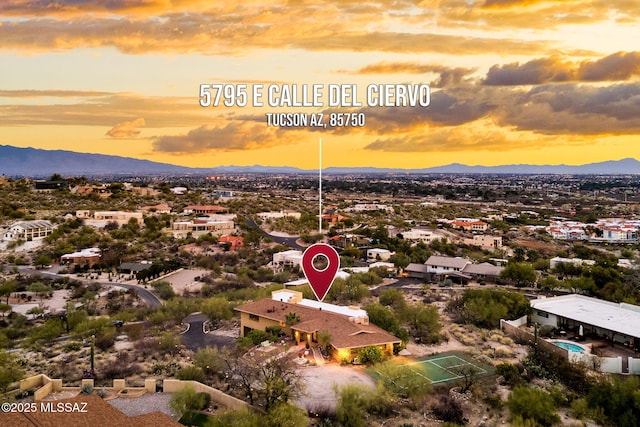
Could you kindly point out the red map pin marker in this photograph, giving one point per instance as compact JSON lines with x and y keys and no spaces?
{"x":320,"y":263}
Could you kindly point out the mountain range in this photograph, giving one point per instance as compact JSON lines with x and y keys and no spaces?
{"x":33,"y":162}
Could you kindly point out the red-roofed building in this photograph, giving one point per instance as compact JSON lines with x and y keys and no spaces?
{"x":82,"y":411}
{"x":234,"y":242}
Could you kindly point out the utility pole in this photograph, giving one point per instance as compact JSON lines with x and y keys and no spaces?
{"x":320,"y":187}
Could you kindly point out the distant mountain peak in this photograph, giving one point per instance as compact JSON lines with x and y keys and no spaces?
{"x":35,"y":162}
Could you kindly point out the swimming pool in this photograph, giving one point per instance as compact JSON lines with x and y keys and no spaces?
{"x":570,"y":346}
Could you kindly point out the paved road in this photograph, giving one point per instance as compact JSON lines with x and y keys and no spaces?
{"x":290,"y":241}
{"x":196,"y":338}
{"x":145,"y":295}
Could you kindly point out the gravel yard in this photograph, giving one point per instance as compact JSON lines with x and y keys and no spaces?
{"x":150,"y":402}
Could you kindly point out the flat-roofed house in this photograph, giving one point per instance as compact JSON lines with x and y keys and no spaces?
{"x":200,"y":226}
{"x":89,"y":256}
{"x":204,"y":209}
{"x":29,"y":230}
{"x":290,"y":258}
{"x":616,"y":322}
{"x":348,"y":327}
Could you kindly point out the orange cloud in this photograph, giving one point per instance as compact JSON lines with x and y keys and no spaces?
{"x":233,"y":136}
{"x":449,"y":76}
{"x":99,"y":109}
{"x":126,"y":129}
{"x":222,"y":34}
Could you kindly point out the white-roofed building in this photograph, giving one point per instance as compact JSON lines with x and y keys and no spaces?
{"x":90,"y":256}
{"x":619,"y":323}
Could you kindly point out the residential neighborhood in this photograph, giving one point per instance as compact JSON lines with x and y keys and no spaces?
{"x":159,"y":293}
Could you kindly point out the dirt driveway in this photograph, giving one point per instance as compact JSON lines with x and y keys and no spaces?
{"x":320,"y":381}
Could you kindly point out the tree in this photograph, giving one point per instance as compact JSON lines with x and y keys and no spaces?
{"x":164,"y":290}
{"x":468,"y":374}
{"x":279,"y":382}
{"x":485,"y":307}
{"x":351,"y":407}
{"x":533,"y":404}
{"x":39,"y":288}
{"x":291,"y":318}
{"x":35,"y":311}
{"x":324,"y":339}
{"x":210,"y":360}
{"x":10,"y":370}
{"x":518,"y":254}
{"x":285,"y":415}
{"x":217,"y":309}
{"x":186,"y":400}
{"x":264,"y":383}
{"x":5,"y":308}
{"x":7,"y":288}
{"x":521,"y":273}
{"x":618,"y":400}
{"x":425,"y":322}
{"x":42,"y":260}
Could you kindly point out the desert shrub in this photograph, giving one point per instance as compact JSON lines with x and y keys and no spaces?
{"x":510,"y":373}
{"x":503,"y":351}
{"x":257,"y":336}
{"x":146,"y":346}
{"x":186,"y":400}
{"x":370,"y":355}
{"x":449,"y":410}
{"x":72,"y":346}
{"x":105,"y":341}
{"x":121,"y":367}
{"x":533,"y":404}
{"x":191,"y":373}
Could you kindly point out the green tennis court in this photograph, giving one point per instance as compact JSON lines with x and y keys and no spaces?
{"x":443,"y":368}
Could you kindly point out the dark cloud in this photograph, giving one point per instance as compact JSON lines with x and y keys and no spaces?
{"x":574,"y":109}
{"x":615,"y":67}
{"x":441,"y":140}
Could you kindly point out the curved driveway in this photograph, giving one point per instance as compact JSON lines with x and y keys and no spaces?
{"x":150,"y":299}
{"x":195,"y":337}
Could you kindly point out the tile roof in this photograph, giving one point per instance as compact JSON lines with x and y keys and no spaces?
{"x":344,"y":332}
{"x":443,"y":261}
{"x":97,"y":412}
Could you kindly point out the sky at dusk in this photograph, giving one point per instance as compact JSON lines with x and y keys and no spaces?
{"x":512,"y":81}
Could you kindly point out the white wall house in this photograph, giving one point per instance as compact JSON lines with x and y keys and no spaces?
{"x":376,"y":254}
{"x":417,"y":235}
{"x":202,"y":226}
{"x":29,"y":230}
{"x":291,"y":258}
{"x":279,"y":214}
{"x":442,"y":265}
